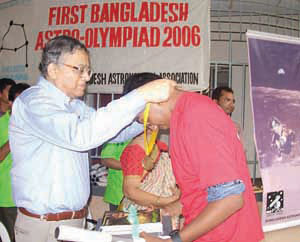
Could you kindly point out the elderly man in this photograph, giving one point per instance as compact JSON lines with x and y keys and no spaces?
{"x":51,"y":131}
{"x":209,"y":165}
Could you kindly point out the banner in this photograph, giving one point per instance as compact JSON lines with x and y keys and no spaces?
{"x":170,"y":38}
{"x":274,"y":64}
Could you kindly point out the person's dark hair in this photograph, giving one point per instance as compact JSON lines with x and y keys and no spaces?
{"x":56,"y":48}
{"x":217,"y":92}
{"x":139,"y":79}
{"x":16,"y":89}
{"x":4,"y":82}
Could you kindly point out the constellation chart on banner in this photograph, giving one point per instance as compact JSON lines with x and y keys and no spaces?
{"x":15,"y":49}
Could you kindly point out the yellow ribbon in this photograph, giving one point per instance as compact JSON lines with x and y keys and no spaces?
{"x":148,"y":146}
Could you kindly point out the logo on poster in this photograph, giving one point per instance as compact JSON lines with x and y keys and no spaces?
{"x":275,"y":202}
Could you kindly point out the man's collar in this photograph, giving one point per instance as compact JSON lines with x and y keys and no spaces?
{"x":54,"y":91}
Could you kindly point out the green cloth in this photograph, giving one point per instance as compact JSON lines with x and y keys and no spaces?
{"x":6,"y":199}
{"x":114,"y":188}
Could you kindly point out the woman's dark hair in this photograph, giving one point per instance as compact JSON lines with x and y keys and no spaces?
{"x":139,"y":79}
{"x":16,"y":89}
{"x":4,"y":82}
{"x":57,"y":47}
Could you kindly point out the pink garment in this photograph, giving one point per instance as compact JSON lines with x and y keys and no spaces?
{"x":132,"y":157}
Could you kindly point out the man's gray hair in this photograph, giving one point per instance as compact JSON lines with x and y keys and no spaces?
{"x":56,"y":48}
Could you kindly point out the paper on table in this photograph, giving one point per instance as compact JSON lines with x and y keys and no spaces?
{"x":69,"y":233}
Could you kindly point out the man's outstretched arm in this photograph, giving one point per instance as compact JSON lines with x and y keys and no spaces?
{"x":214,"y":214}
{"x":223,"y":201}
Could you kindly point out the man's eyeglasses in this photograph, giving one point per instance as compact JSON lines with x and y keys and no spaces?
{"x":80,"y":69}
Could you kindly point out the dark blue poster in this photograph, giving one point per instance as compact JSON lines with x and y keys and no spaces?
{"x":274,"y":64}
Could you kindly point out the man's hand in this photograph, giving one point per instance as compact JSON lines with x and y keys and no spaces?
{"x":157,"y":91}
{"x":173,"y":209}
{"x":150,"y":238}
{"x":173,"y":198}
{"x":176,"y":192}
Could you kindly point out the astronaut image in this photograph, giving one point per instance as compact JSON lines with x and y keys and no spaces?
{"x":283,"y":138}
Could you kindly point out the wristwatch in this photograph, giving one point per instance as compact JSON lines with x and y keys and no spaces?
{"x":175,"y":237}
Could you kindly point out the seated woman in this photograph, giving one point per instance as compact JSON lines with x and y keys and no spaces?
{"x":148,"y":180}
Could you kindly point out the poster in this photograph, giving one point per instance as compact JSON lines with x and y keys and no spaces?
{"x":170,"y":38}
{"x":274,"y":64}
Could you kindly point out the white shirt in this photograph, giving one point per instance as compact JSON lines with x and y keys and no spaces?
{"x":50,"y":136}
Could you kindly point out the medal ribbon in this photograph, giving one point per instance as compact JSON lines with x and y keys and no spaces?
{"x":148,"y":146}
